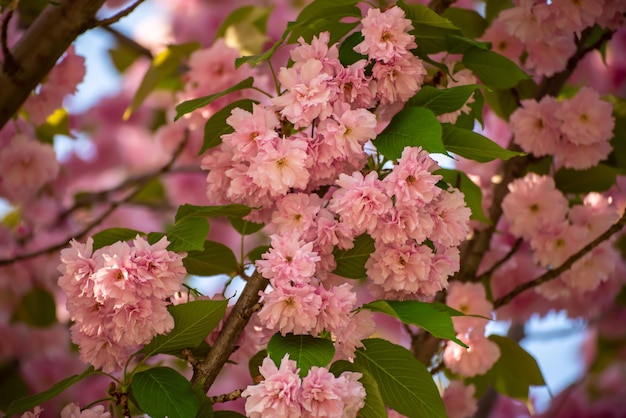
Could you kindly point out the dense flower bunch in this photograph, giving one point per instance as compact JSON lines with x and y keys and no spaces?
{"x":575,"y":131}
{"x":537,"y":212}
{"x":117,"y":296}
{"x":313,"y":135}
{"x":545,"y":30}
{"x":319,"y":394}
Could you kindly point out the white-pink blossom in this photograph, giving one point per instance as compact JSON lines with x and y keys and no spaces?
{"x":385,"y":34}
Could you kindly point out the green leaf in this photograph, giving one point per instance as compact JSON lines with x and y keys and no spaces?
{"x":254,"y":60}
{"x":347,"y":54}
{"x":123,"y":56}
{"x":188,"y":234}
{"x":306,"y":350}
{"x":441,"y":101}
{"x":595,"y":179}
{"x":193,"y":104}
{"x":374,"y":406}
{"x":471,"y":23}
{"x":257,"y":252}
{"x":245,"y":227}
{"x":113,"y":235}
{"x":255,"y":362}
{"x":422,"y":314}
{"x":502,"y":102}
{"x":404,"y":382}
{"x":215,"y":258}
{"x":308,"y":30}
{"x":12,"y":385}
{"x":246,"y":27}
{"x":58,"y":123}
{"x":494,"y":7}
{"x":513,"y":373}
{"x":458,"y":44}
{"x":473,"y":193}
{"x":193,"y":321}
{"x":430,"y":29}
{"x":494,"y":70}
{"x":474,"y":146}
{"x":411,"y":127}
{"x":234,"y":210}
{"x":216,"y":126}
{"x":324,"y":16}
{"x":351,"y":263}
{"x":29,"y":402}
{"x":37,"y":308}
{"x":162,"y":392}
{"x":153,"y":193}
{"x":164,"y":65}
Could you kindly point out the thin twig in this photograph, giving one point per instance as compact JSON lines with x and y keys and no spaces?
{"x":554,"y":273}
{"x":227,"y":397}
{"x":119,"y":15}
{"x":127,"y":41}
{"x":112,"y":207}
{"x":503,"y":260}
{"x":205,"y":373}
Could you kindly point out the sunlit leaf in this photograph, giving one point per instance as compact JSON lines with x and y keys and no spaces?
{"x":162,"y":392}
{"x":305,"y":350}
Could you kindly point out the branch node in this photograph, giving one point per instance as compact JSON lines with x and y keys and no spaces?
{"x":116,"y":17}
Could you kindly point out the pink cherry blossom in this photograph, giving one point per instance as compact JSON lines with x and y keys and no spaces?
{"x":291,"y":309}
{"x":411,"y":180}
{"x":278,"y":394}
{"x":252,"y":131}
{"x":398,"y":80}
{"x":535,"y":127}
{"x":385,"y":34}
{"x":576,"y":16}
{"x":586,"y":119}
{"x":533,"y":203}
{"x":459,"y":400}
{"x":528,"y":20}
{"x":548,"y":57}
{"x":27,"y":165}
{"x":289,"y":261}
{"x":281,"y":166}
{"x":451,"y":216}
{"x":471,"y":299}
{"x":473,"y":361}
{"x":360,"y":201}
{"x":308,"y":93}
{"x":337,"y":304}
{"x":318,"y":50}
{"x":72,"y":410}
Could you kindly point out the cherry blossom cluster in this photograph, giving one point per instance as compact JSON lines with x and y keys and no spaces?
{"x":471,"y":299}
{"x":540,"y":214}
{"x":117,"y":296}
{"x":576,"y":130}
{"x":316,"y":129}
{"x":283,"y":393}
{"x":545,"y":30}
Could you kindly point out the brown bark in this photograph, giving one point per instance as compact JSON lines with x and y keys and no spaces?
{"x":39,"y":48}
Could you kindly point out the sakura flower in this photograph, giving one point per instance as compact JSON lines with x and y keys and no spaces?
{"x":324,"y":395}
{"x":360,"y":201}
{"x":452,"y":217}
{"x":459,"y":400}
{"x":535,"y":127}
{"x":385,"y":34}
{"x":399,"y":80}
{"x":549,"y":56}
{"x":337,"y":303}
{"x":308,"y":95}
{"x":319,"y":50}
{"x":528,"y":20}
{"x":354,"y":86}
{"x":291,"y":309}
{"x":533,"y":203}
{"x":471,"y":299}
{"x":251,"y":131}
{"x":473,"y":361}
{"x":27,"y":165}
{"x":278,"y":394}
{"x":72,"y":410}
{"x":281,"y":166}
{"x":576,"y":16}
{"x":289,"y":261}
{"x":296,"y":213}
{"x":586,"y":119}
{"x":404,"y":268}
{"x":411,"y":180}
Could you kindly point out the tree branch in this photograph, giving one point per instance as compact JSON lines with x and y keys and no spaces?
{"x":440,"y":6}
{"x":116,"y":17}
{"x":205,"y":373}
{"x":554,"y":273}
{"x":39,"y":48}
{"x":235,"y":394}
{"x":9,"y":66}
